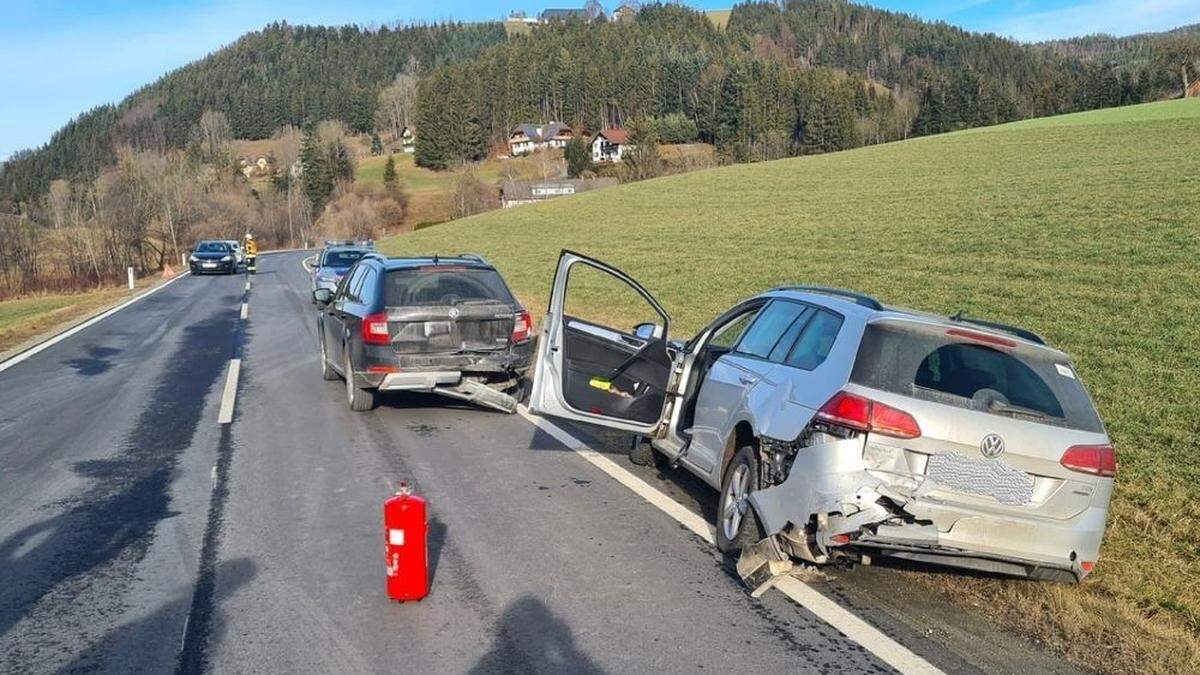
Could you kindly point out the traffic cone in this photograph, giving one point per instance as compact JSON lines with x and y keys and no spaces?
{"x":167,"y":272}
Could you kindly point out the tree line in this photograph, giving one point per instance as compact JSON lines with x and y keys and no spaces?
{"x":282,"y":75}
{"x":781,"y":79}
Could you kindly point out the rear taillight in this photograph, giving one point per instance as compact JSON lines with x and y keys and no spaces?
{"x":863,"y":414}
{"x":1098,"y":460}
{"x":375,"y":329}
{"x":522,"y":326}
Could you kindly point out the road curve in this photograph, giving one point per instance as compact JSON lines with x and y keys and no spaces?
{"x":138,"y":534}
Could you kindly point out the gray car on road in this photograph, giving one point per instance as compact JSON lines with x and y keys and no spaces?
{"x":836,"y":428}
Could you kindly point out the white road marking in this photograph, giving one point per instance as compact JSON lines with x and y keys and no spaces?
{"x":214,"y":477}
{"x":247,"y":284}
{"x":71,"y":331}
{"x":886,"y":649}
{"x":225,"y":416}
{"x":245,"y":309}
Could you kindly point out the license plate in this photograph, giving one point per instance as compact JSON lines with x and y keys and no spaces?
{"x":208,"y":264}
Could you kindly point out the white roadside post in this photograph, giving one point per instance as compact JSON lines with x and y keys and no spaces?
{"x":129,"y":271}
{"x":183,"y":260}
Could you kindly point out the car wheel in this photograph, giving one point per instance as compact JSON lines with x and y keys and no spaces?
{"x":360,"y":400}
{"x":327,"y":372}
{"x":737,"y":523}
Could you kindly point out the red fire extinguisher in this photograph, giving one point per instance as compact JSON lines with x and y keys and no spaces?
{"x":404,"y":545}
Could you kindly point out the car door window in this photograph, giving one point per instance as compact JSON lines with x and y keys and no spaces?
{"x":728,"y":335}
{"x":768,"y":327}
{"x":815,"y":340}
{"x":780,"y":352}
{"x":365,"y":290}
{"x":345,"y":291}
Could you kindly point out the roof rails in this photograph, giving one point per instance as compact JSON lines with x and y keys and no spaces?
{"x":858,"y":298}
{"x":375,"y":255}
{"x":1003,"y":327}
{"x":474,"y":256}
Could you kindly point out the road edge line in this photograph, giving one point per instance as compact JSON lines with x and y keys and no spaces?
{"x":839,"y":618}
{"x":63,"y":335}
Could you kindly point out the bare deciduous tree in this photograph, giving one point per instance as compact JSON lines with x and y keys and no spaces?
{"x":397,"y":102}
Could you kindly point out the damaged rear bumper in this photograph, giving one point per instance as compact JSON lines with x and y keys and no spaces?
{"x":830,"y":506}
{"x":483,"y":378}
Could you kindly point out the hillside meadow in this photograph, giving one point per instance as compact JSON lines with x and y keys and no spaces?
{"x":1085,"y":229}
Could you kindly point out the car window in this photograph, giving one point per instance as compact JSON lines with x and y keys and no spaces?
{"x":768,"y":327}
{"x":728,"y":335}
{"x":780,"y":352}
{"x":348,"y":281}
{"x":356,"y":284}
{"x":931,"y":364}
{"x":815,"y":340}
{"x":212,"y":247}
{"x":437,"y":285}
{"x":341,"y":258}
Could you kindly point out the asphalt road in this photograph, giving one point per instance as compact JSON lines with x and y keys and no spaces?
{"x":139,"y":535}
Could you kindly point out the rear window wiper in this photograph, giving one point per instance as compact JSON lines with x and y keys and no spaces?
{"x":1006,"y":408}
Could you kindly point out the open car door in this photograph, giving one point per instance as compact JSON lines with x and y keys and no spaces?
{"x":603,"y":356}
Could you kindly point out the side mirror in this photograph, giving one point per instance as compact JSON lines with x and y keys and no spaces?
{"x":322,"y":296}
{"x":648,"y":331}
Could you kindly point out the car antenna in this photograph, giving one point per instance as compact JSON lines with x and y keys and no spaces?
{"x":958,"y":316}
{"x":435,"y":260}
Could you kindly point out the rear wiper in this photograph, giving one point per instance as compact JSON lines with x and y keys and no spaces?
{"x":1006,"y":408}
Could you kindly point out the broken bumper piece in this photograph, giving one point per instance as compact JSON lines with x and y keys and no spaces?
{"x":452,"y":384}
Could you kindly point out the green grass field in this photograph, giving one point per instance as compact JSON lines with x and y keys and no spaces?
{"x":1084,"y":228}
{"x":417,"y":180}
{"x":24,"y":318}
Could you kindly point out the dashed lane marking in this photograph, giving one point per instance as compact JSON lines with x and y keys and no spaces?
{"x":883,"y":647}
{"x":225,"y":416}
{"x":245,"y":309}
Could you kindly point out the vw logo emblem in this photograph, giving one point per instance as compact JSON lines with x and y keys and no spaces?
{"x":453,"y":312}
{"x":992,"y":446}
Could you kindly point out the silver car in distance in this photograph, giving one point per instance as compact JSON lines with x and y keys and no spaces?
{"x":837,"y":429}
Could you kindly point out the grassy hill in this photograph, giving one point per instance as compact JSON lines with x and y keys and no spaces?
{"x":1084,"y":228}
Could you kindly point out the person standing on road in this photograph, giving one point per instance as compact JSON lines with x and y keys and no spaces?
{"x":251,"y":253}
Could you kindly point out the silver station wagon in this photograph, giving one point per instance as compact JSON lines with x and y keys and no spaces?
{"x":835,"y":428}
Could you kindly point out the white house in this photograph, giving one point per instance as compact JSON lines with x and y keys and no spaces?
{"x":610,"y":145}
{"x":408,"y":139}
{"x":526,"y":138}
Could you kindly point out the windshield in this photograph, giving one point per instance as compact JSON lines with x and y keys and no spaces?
{"x":438,"y":285}
{"x":212,"y":247}
{"x":925,"y":362}
{"x":341,"y":258}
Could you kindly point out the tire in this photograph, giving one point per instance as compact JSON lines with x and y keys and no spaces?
{"x":740,"y":527}
{"x":643,"y":454}
{"x":360,"y":400}
{"x":327,"y":372}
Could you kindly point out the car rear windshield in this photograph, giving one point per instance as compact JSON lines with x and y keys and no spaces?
{"x":925,"y":362}
{"x":341,"y":258}
{"x":440,"y":285}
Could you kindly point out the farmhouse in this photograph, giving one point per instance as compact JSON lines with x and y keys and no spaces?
{"x":517,"y":192}
{"x":408,"y":139}
{"x":526,"y":138}
{"x":610,"y":145}
{"x":626,"y":13}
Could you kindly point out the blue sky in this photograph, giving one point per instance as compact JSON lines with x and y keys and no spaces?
{"x":61,"y":57}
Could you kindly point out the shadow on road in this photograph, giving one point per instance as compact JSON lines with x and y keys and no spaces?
{"x":531,"y":639}
{"x":113,"y":520}
{"x":96,"y":362}
{"x":124,"y":640}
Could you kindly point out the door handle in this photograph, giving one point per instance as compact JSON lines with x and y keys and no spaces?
{"x":747,"y":381}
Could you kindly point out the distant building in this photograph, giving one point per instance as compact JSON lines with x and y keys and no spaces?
{"x":526,"y":138}
{"x":549,"y":15}
{"x":610,"y":145}
{"x":517,"y":192}
{"x":408,"y":139}
{"x":626,"y":13}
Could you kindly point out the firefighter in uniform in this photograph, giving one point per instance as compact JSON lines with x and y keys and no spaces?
{"x":251,"y":253}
